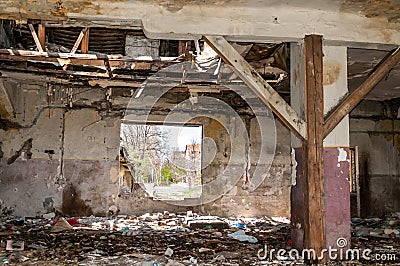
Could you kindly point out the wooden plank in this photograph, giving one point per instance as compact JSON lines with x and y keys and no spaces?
{"x":182,"y":47}
{"x":108,"y":68}
{"x":118,"y":63}
{"x":35,"y":38}
{"x":314,"y":224}
{"x":356,"y":96}
{"x":258,"y":85}
{"x":85,"y":42}
{"x":78,"y":40}
{"x":42,"y":35}
{"x":60,"y":55}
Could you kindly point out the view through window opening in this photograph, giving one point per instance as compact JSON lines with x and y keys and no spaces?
{"x":162,"y":160}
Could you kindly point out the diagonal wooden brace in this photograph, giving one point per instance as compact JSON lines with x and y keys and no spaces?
{"x":35,"y":38}
{"x":258,"y":85}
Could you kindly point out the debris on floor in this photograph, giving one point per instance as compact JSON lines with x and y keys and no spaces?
{"x":386,"y":227}
{"x":162,"y":239}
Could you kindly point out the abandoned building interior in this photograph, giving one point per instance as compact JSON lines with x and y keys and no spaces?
{"x":198,"y":132}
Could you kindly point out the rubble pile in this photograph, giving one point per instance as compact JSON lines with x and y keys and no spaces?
{"x":151,"y":239}
{"x":159,"y":239}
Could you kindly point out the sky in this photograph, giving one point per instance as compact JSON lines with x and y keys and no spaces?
{"x":182,"y":136}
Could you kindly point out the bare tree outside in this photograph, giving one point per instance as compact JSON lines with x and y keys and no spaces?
{"x":150,"y":158}
{"x":146,"y":150}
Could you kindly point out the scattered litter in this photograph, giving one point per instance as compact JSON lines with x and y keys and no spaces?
{"x":207,"y":223}
{"x":73,"y":221}
{"x":241,"y":236}
{"x":48,"y":216}
{"x":160,"y":239}
{"x":193,"y":260}
{"x":386,"y":227}
{"x":169,"y":252}
{"x":388,"y":231}
{"x":61,"y":225}
{"x":36,"y":247}
{"x":202,"y":250}
{"x":14,"y":246}
{"x":229,"y":254}
{"x":240,"y":225}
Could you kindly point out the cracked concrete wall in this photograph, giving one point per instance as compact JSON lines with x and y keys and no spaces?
{"x":74,"y":164}
{"x":375,"y":128}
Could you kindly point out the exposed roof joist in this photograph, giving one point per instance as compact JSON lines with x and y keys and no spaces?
{"x":93,"y":60}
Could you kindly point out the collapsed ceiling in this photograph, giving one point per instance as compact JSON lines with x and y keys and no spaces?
{"x":107,"y":57}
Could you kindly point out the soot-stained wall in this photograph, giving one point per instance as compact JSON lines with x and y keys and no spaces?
{"x":375,"y":129}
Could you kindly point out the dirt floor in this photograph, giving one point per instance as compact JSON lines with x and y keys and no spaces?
{"x":173,"y":239}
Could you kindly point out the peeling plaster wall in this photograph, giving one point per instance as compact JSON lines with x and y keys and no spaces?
{"x":73,"y":152}
{"x":272,"y":197}
{"x":375,"y":128}
{"x":74,"y":164}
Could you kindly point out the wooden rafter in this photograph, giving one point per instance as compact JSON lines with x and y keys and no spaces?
{"x":356,"y":96}
{"x":42,"y":35}
{"x":78,"y":40}
{"x":85,"y":42}
{"x":35,"y":38}
{"x":258,"y":85}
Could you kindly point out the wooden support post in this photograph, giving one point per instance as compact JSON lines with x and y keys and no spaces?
{"x":356,"y":96}
{"x":85,"y":42}
{"x":182,"y":47}
{"x":78,"y":40}
{"x":42,"y":35}
{"x":258,"y":85}
{"x":35,"y":38}
{"x":314,"y":215}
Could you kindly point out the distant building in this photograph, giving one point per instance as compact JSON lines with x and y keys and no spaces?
{"x":193,"y":151}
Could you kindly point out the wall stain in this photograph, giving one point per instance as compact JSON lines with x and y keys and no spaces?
{"x":389,"y":9}
{"x":331,"y":72}
{"x":177,"y":5}
{"x":72,"y":204}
